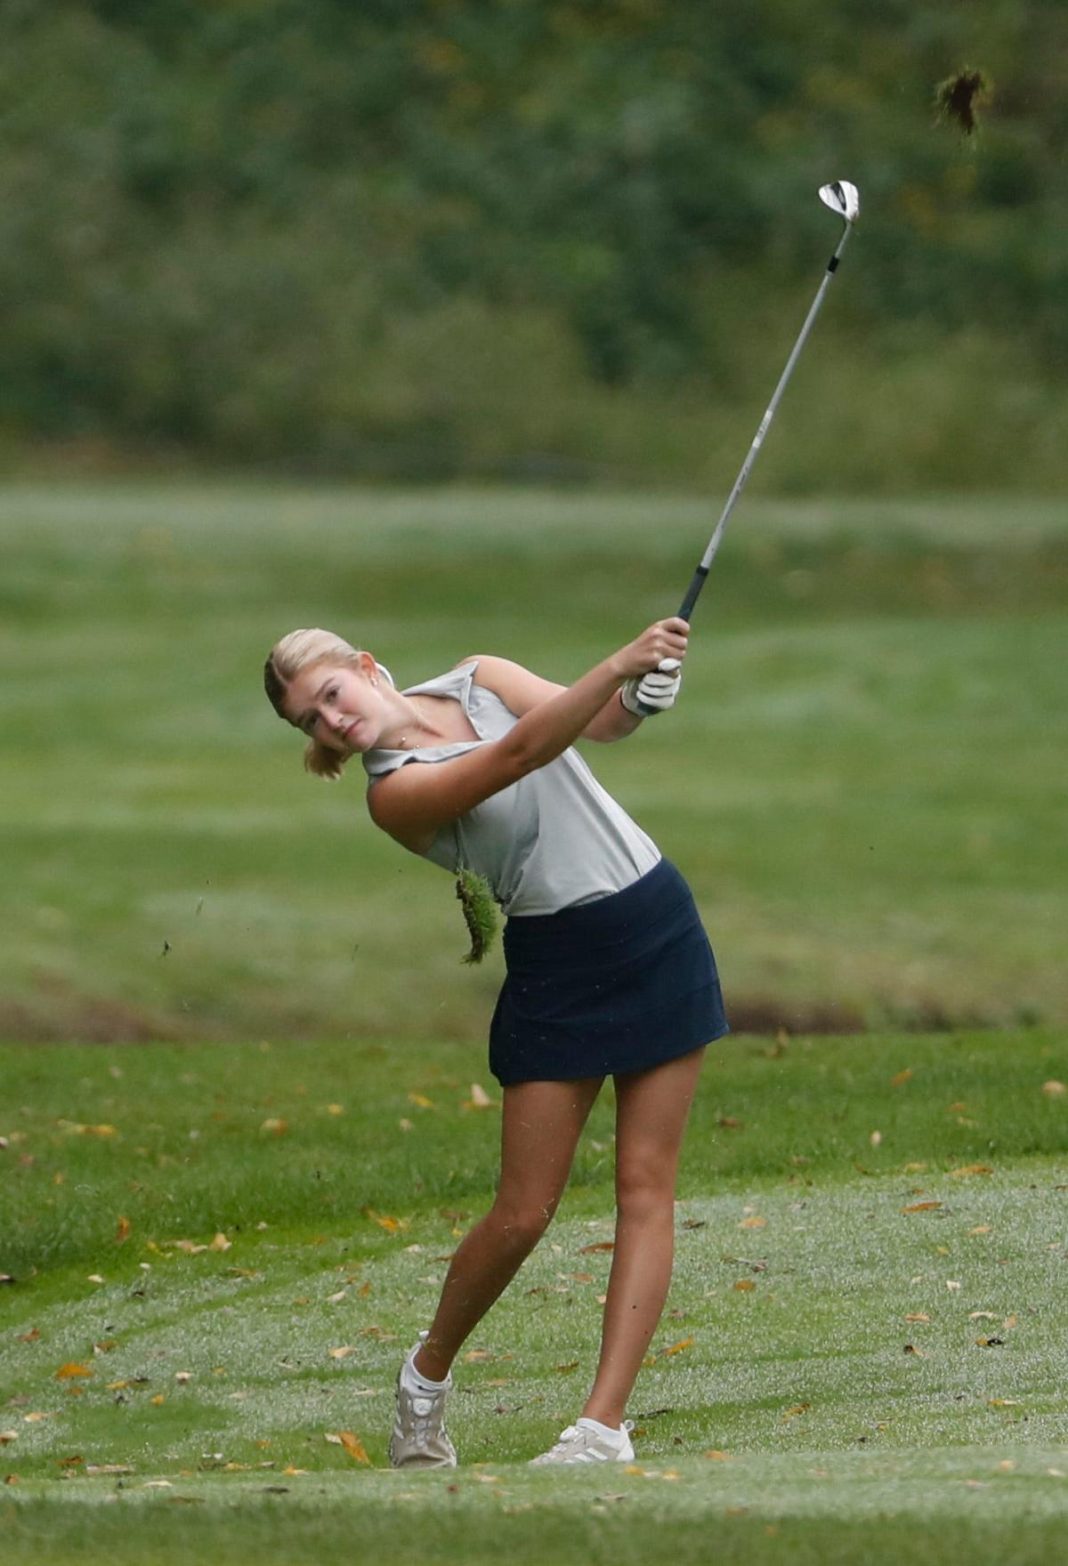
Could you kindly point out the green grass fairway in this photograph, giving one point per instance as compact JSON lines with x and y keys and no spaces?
{"x":864,"y":778}
{"x":219,"y":1255}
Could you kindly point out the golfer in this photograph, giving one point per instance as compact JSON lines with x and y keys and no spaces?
{"x":609,"y":972}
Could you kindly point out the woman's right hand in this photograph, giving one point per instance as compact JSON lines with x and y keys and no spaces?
{"x":663,"y":639}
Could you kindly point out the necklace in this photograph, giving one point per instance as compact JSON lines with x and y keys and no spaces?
{"x":402,"y":742}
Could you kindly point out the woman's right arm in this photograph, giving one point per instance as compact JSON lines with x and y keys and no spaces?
{"x":414,"y":802}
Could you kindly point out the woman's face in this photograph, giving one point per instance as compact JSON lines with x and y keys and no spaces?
{"x":339,"y":705}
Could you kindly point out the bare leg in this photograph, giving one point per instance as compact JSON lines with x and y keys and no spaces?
{"x":540,"y":1127}
{"x":651,"y":1112}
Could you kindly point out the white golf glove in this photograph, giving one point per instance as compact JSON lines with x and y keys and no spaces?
{"x":654,"y":692}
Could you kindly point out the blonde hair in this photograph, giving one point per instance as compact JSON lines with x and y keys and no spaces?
{"x":302,"y":650}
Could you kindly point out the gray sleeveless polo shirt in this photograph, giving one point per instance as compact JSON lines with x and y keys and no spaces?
{"x":551,"y":840}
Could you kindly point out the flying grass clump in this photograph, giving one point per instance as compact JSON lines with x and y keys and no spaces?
{"x":960,"y":98}
{"x":480,"y":912}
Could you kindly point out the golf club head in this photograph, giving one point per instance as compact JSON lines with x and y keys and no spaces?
{"x":843,"y":198}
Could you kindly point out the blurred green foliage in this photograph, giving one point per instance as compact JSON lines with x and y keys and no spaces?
{"x":530,"y":239}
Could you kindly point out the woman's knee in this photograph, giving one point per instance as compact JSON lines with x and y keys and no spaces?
{"x":520,"y":1225}
{"x":645,"y":1188}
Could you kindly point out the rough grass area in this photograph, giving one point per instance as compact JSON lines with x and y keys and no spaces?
{"x":219,"y":1256}
{"x":961,"y":1505}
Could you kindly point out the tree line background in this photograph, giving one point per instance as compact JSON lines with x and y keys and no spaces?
{"x":532,"y":239}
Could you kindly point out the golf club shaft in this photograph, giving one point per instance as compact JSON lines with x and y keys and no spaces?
{"x":701,"y":573}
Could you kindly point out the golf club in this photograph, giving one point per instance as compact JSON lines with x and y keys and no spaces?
{"x":843,"y":199}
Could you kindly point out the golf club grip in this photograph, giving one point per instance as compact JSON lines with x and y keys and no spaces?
{"x":700,"y":576}
{"x":685,"y":611}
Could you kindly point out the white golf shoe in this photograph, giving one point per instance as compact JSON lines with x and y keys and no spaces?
{"x":586,"y":1441}
{"x":419,"y":1438}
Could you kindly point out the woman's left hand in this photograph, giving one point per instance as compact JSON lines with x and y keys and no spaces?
{"x":655,"y":692}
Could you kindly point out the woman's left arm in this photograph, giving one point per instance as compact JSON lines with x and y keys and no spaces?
{"x":520,"y":690}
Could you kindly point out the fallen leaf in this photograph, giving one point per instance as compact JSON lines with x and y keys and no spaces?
{"x":354,"y":1447}
{"x":571,"y":1365}
{"x":981,"y":1315}
{"x":7,"y":1436}
{"x":967,"y":1170}
{"x":335,"y":1109}
{"x":122,"y":1232}
{"x":384,"y":1221}
{"x":902,"y":1077}
{"x":71,"y":1371}
{"x":420,"y":1100}
{"x":75,"y":1461}
{"x":94,"y":1277}
{"x":797,"y":1410}
{"x":1054,"y":1089}
{"x":980,"y":1228}
{"x":918,"y":1315}
{"x":273,"y":1126}
{"x":343,"y":1352}
{"x":30,"y":1337}
{"x":479,"y":1099}
{"x":714,"y":1455}
{"x":745,"y":1285}
{"x":600,"y":1245}
{"x":220,"y":1243}
{"x":677,"y":1348}
{"x":1010,"y":1322}
{"x":1004,"y":1402}
{"x":158,"y":1401}
{"x":953,"y":1285}
{"x":476,"y":1356}
{"x":753,"y":1223}
{"x":117,"y":1469}
{"x":910,"y":1348}
{"x":921,"y":1207}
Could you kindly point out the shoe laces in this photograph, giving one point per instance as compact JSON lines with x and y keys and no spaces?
{"x":427,"y":1409}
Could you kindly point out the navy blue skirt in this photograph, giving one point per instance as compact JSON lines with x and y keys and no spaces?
{"x":620,"y":984}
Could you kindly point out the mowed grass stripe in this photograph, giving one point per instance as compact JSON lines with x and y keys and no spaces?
{"x":862,"y":779}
